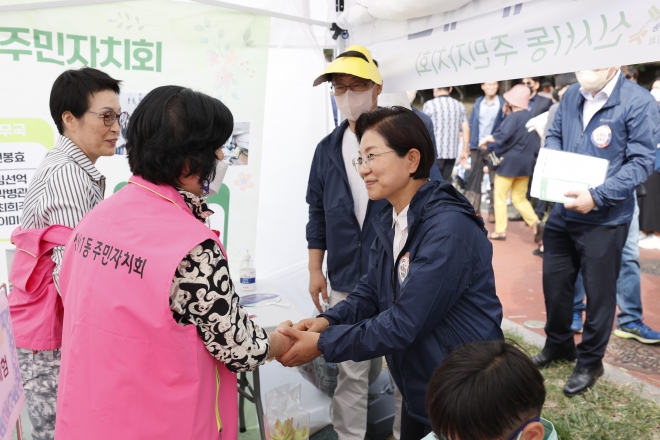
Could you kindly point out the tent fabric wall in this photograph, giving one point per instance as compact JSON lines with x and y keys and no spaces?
{"x":296,"y":119}
{"x":294,"y":123}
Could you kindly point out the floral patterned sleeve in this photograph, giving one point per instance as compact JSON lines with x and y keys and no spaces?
{"x":202,"y":294}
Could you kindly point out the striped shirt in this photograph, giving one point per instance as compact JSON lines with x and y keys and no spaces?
{"x":447,"y":115}
{"x":65,"y":187}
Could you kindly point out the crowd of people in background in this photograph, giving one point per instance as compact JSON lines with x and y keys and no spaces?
{"x":603,"y":228}
{"x":395,"y":210}
{"x":490,"y":154}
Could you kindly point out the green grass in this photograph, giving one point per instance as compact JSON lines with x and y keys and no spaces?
{"x":607,"y":411}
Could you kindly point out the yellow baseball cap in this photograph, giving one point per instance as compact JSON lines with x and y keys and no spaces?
{"x":356,"y":60}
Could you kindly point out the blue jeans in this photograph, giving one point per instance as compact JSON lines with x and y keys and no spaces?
{"x":628,"y":290}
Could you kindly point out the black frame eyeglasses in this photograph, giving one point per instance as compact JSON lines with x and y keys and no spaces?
{"x":357,"y":87}
{"x":111,"y":116}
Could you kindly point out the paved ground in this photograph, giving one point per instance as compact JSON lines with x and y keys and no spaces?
{"x":519,"y":286}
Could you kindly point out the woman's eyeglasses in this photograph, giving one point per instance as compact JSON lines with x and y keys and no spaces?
{"x":357,"y":163}
{"x":110,"y":117}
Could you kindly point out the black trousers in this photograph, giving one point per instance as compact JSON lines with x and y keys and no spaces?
{"x":569,"y":247}
{"x":411,"y":429}
{"x":446,"y":166}
{"x":473,"y":184}
{"x":541,"y":207}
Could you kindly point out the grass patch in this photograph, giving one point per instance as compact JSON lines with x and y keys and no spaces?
{"x":607,"y":411}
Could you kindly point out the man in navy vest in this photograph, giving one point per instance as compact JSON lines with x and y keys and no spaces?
{"x":340,"y":215}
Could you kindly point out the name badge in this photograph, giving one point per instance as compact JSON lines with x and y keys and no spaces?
{"x":601,"y":136}
{"x":404,"y":266}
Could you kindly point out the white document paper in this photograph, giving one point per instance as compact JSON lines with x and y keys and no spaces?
{"x":541,"y":120}
{"x":557,"y":172}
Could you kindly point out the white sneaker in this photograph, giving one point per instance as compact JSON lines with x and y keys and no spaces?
{"x":642,"y":236}
{"x":650,"y":242}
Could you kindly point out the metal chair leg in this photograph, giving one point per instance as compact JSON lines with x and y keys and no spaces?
{"x":258,"y":404}
{"x":252,"y":394}
{"x":241,"y":404}
{"x":19,"y":429}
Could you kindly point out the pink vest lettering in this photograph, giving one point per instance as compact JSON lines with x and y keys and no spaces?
{"x":129,"y":371}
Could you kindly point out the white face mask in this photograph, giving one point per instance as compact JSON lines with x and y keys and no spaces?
{"x":352,"y":104}
{"x":592,"y":80}
{"x":213,"y":187}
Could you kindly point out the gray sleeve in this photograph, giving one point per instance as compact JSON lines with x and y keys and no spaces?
{"x":551,"y":117}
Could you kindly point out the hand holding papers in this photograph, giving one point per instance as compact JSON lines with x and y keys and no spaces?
{"x":564,"y":178}
{"x":583,"y":202}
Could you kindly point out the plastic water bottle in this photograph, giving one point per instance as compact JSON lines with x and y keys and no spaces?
{"x":248,"y":273}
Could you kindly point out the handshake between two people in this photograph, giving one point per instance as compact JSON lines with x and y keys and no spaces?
{"x":297,"y":344}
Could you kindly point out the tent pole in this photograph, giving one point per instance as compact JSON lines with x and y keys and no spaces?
{"x":248,"y":9}
{"x":55,"y":4}
{"x":65,"y":3}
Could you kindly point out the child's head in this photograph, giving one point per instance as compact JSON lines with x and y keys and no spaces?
{"x":486,"y":390}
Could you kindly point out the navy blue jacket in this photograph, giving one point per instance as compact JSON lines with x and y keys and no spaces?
{"x":435,"y":172}
{"x":632,"y":115}
{"x":332,"y":224}
{"x":447,"y":298}
{"x":516,"y":145}
{"x":474,"y":122}
{"x":657,"y":152}
{"x":541,"y":105}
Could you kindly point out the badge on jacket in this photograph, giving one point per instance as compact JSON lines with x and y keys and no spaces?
{"x":404,"y":265}
{"x":601,"y":136}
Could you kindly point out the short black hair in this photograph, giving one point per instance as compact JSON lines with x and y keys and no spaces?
{"x":402,"y":130}
{"x":565,"y":79}
{"x":484,"y":389}
{"x":72,"y":90}
{"x":175,"y":126}
{"x":534,"y":78}
{"x":631,"y":73}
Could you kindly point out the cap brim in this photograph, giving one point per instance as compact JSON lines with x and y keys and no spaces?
{"x":351,"y":66}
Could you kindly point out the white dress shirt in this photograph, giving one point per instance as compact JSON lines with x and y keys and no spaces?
{"x":350,"y":150}
{"x":400,"y":225}
{"x":595,"y":103}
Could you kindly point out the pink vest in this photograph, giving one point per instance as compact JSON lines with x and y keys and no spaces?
{"x":34,"y":304}
{"x":129,"y":371}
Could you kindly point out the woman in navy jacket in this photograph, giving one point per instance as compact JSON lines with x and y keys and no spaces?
{"x":515,"y":146}
{"x":430,"y":284}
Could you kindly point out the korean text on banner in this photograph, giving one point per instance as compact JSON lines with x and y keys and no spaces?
{"x":146,"y":44}
{"x":532,"y":38}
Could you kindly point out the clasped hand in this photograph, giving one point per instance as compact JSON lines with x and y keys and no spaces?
{"x":483,"y":143}
{"x":301,"y":341}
